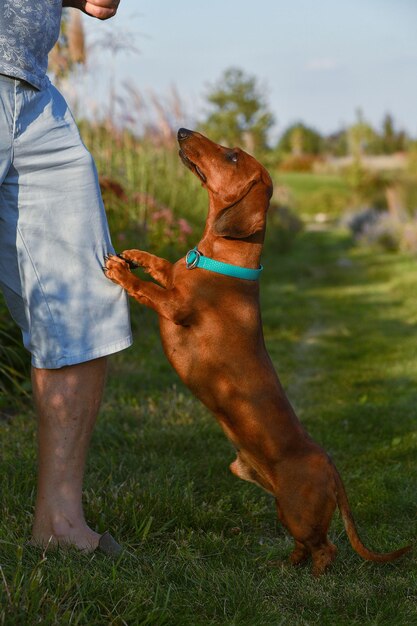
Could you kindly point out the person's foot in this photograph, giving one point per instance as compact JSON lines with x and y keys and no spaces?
{"x":64,"y":533}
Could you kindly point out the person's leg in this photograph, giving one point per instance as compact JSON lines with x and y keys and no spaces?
{"x":53,"y":240}
{"x":67,"y":401}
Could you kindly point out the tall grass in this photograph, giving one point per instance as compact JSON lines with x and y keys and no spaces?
{"x":14,"y":361}
{"x":151,"y":178}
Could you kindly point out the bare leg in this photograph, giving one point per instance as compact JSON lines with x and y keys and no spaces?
{"x":67,"y":402}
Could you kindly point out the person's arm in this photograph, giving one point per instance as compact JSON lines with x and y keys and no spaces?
{"x":101,"y":9}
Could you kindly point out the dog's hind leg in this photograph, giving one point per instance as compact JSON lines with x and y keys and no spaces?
{"x":310,"y":535}
{"x":300,"y":553}
{"x":307,"y":514}
{"x":309,"y":541}
{"x":242,"y":469}
{"x":323,"y":556}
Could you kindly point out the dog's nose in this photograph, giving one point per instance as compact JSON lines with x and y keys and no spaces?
{"x":183,"y":133}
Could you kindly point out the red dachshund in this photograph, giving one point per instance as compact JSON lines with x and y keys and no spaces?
{"x":211,"y":330}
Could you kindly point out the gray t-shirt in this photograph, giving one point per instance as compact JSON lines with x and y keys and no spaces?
{"x":28,"y":31}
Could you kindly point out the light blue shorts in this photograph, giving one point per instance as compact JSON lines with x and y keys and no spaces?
{"x":54,"y":233}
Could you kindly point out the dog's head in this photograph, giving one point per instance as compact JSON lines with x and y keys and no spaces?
{"x":239,"y":187}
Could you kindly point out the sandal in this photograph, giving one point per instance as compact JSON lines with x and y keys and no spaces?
{"x":108,"y":545}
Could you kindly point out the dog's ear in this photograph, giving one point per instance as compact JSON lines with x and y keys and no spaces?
{"x":246,"y":216}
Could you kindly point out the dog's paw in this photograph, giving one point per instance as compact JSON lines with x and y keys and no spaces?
{"x":132,"y":264}
{"x":115,"y":268}
{"x":135,"y":258}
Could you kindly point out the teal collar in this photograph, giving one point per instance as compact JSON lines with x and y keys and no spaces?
{"x":195,"y":258}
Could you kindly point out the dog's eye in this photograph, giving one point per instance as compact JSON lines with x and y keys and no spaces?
{"x":232,"y":156}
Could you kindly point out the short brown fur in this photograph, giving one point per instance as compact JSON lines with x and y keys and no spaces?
{"x":211,"y":333}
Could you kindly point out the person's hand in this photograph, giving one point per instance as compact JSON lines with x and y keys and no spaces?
{"x":101,"y":9}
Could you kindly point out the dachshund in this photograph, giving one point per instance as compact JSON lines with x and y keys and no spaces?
{"x":211,"y":332}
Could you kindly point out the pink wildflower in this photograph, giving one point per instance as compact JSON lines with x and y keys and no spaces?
{"x":184,"y":226}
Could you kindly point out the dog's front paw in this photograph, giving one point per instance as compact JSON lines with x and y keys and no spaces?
{"x":132,"y":264}
{"x":135,"y":258}
{"x":116,"y":268}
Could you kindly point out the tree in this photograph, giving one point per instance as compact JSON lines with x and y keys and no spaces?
{"x":392,"y":140}
{"x":362,"y":138}
{"x":336,"y":143}
{"x":299,"y":139}
{"x":239,"y":112}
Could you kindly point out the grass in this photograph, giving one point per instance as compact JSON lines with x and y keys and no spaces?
{"x":202,"y":546}
{"x":308,"y":182}
{"x":311,"y":193}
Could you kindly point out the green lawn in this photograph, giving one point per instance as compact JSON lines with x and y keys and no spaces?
{"x":311,"y":193}
{"x":202,"y":546}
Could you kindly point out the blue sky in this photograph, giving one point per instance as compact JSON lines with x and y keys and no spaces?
{"x":317,"y":60}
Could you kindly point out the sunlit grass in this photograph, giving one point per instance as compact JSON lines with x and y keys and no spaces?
{"x":311,"y":193}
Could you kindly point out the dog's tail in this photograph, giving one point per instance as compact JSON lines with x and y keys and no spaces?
{"x":352,"y":533}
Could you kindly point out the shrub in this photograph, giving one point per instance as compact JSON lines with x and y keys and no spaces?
{"x":359,"y":221}
{"x":298,"y":163}
{"x":386,"y":232}
{"x":390,"y":232}
{"x":368,"y":187}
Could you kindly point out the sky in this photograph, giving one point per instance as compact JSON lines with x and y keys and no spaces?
{"x":318,"y":61}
